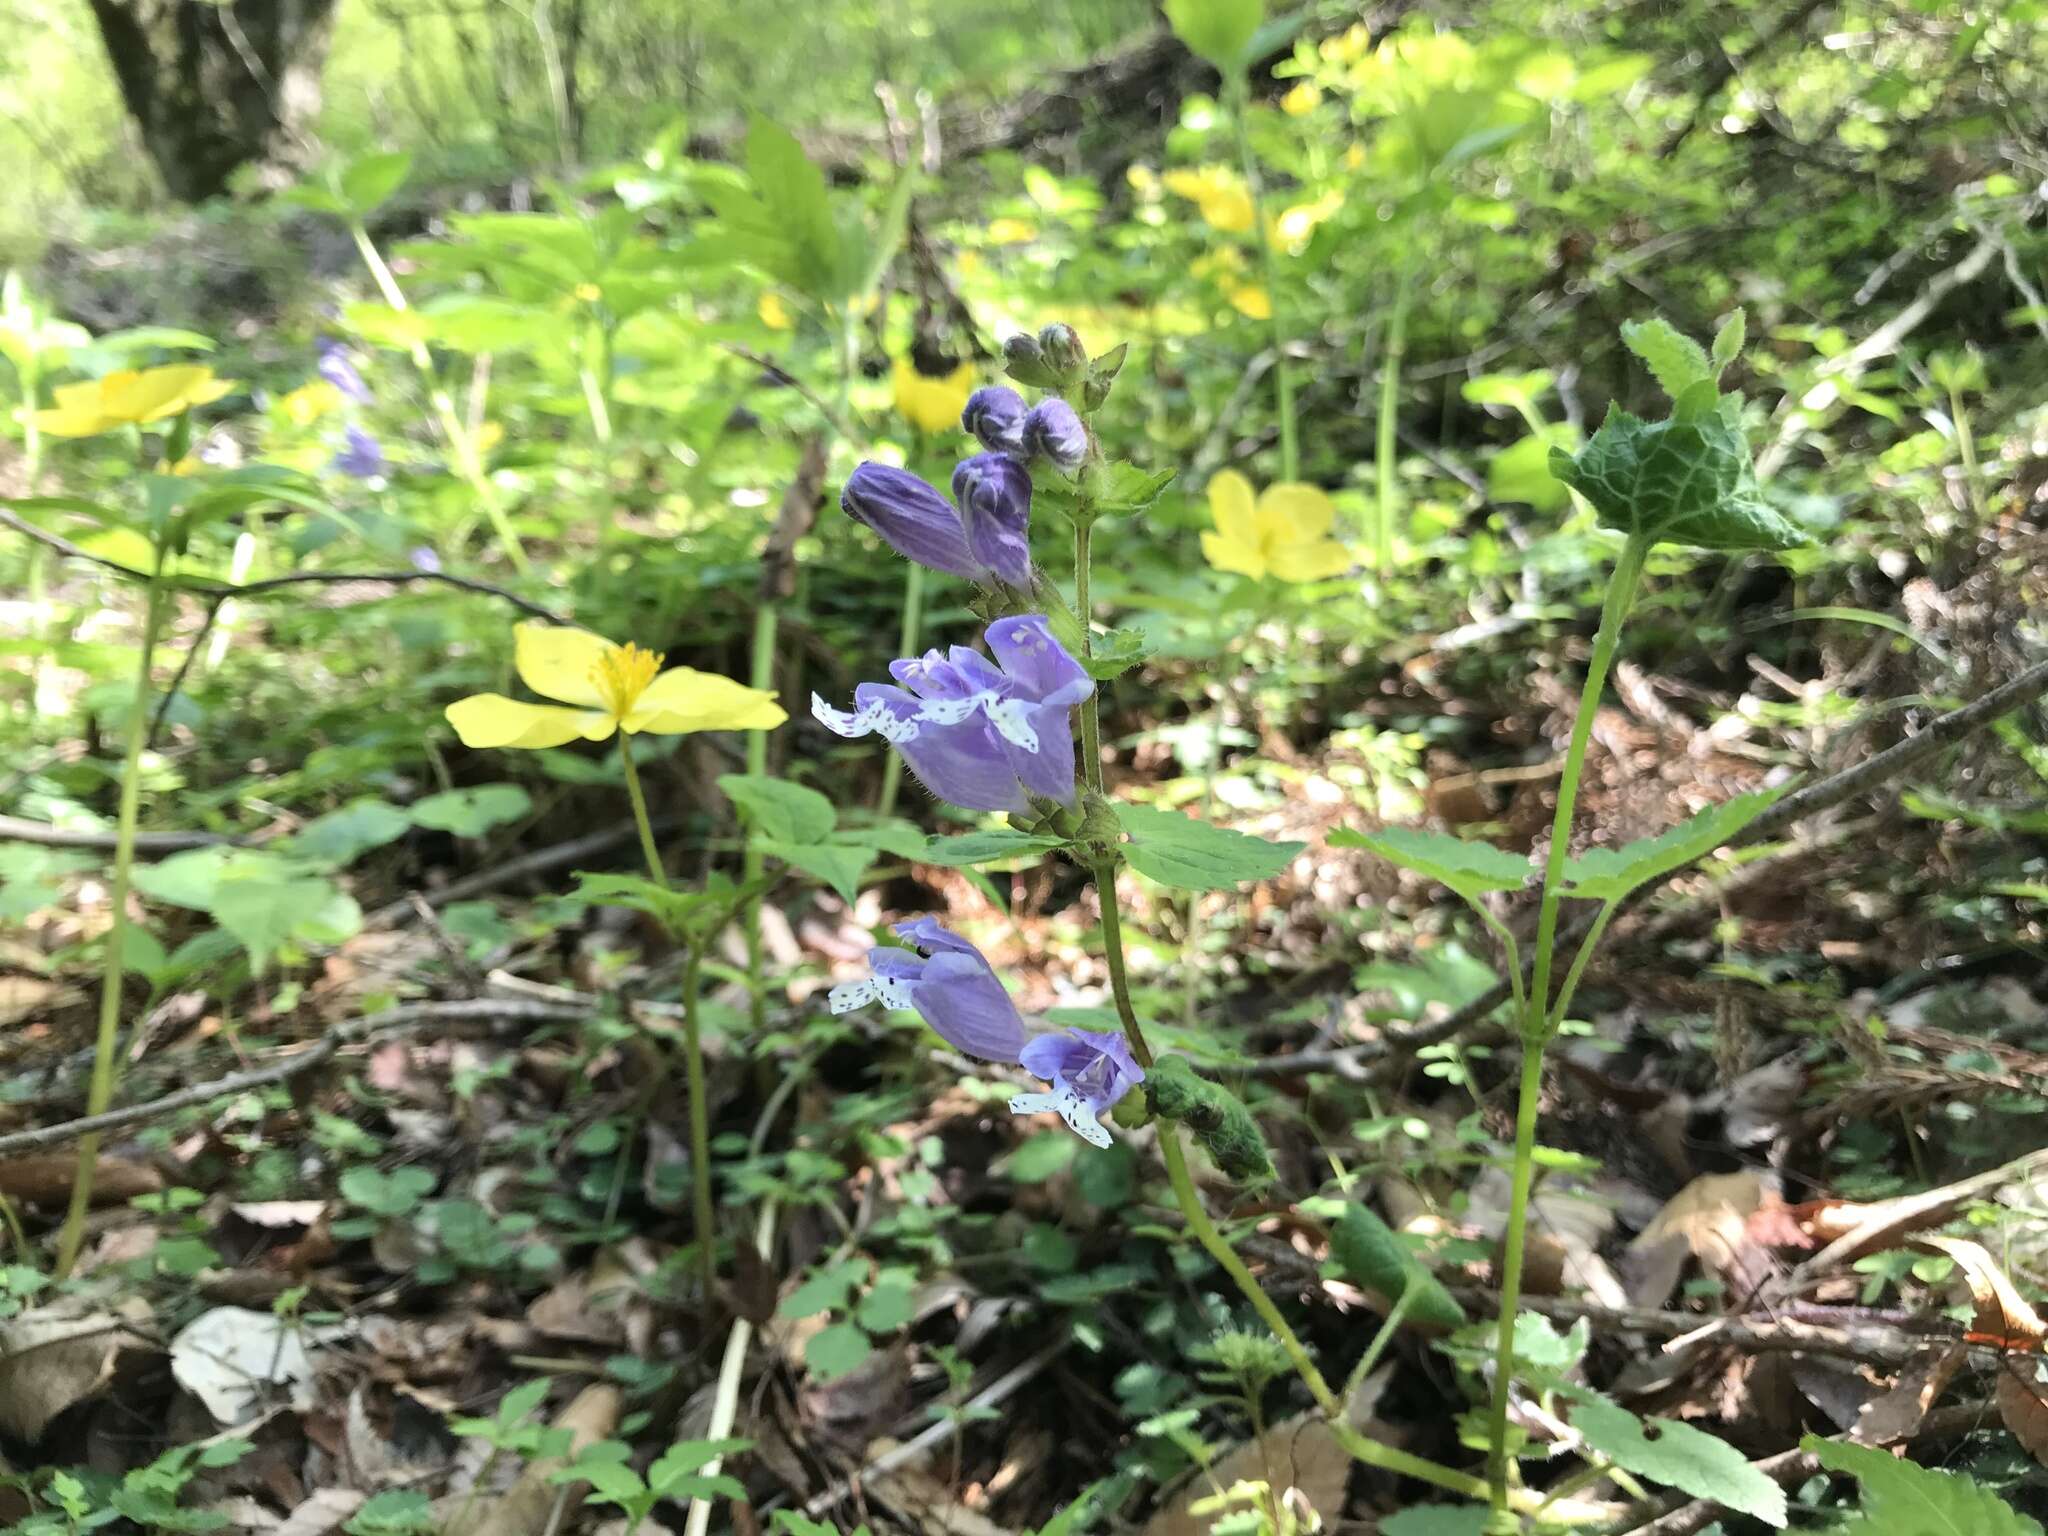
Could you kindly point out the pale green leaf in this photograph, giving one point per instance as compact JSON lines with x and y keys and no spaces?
{"x":1679,"y":1456}
{"x":788,"y":813}
{"x":1609,"y":874}
{"x":1672,"y":356}
{"x":1901,"y":1498}
{"x":1219,"y":31}
{"x":370,"y":181}
{"x":839,"y":866}
{"x":1437,"y":1520}
{"x":834,"y":1351}
{"x":1193,"y":855}
{"x":1468,"y":867}
{"x":471,"y":812}
{"x":986,"y":847}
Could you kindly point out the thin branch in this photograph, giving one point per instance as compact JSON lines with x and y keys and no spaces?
{"x":404,"y":1016}
{"x":13,"y":829}
{"x":538,"y":862}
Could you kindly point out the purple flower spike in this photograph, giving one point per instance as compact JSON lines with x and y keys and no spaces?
{"x":1054,"y":429}
{"x":1089,"y":1071}
{"x":361,"y":456}
{"x":985,"y":737}
{"x":952,"y":987}
{"x":338,"y":369}
{"x":996,"y":416}
{"x":994,"y":494}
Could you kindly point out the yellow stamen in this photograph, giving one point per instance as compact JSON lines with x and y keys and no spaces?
{"x":623,"y":675}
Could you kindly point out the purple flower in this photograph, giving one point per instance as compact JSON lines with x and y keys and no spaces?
{"x":338,"y":369}
{"x":1054,"y":429}
{"x":953,"y":988}
{"x":983,"y":540}
{"x":986,"y":737}
{"x":1089,"y":1071}
{"x":996,"y":416}
{"x":361,"y":455}
{"x":424,"y":559}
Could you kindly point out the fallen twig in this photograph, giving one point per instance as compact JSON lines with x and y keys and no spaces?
{"x":404,"y":1016}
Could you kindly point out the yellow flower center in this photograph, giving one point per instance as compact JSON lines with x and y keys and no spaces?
{"x":622,"y":675}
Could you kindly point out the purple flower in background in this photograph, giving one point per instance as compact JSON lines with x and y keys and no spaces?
{"x":1054,"y":429}
{"x":987,"y":737}
{"x":996,"y":416}
{"x":953,"y":988}
{"x":424,"y":559}
{"x":338,"y":369}
{"x":1089,"y":1071}
{"x":361,"y":455}
{"x":983,"y":541}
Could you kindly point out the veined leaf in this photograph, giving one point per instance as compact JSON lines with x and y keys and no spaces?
{"x":966,"y":849}
{"x":1468,"y":867}
{"x":1609,"y":874}
{"x":788,"y":813}
{"x":1901,"y":1498}
{"x":1679,"y":1456}
{"x":1674,"y":358}
{"x":1196,"y":855}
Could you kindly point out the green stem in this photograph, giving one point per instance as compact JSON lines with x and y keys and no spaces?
{"x":1390,"y":1326}
{"x":761,"y":674}
{"x":1536,"y":1016}
{"x":908,"y":641}
{"x":1966,"y":443}
{"x":1383,"y":437}
{"x":468,"y":463}
{"x":1578,"y":968}
{"x":647,"y":844}
{"x":1239,"y":94}
{"x":700,"y":1126}
{"x":106,"y":1047}
{"x":1091,"y":723}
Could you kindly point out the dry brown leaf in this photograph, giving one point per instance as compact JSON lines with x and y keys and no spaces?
{"x":2019,"y":1399}
{"x":51,"y":1358}
{"x":1712,"y":1217}
{"x":46,"y":1181}
{"x":526,"y":1508}
{"x":2004,"y":1317}
{"x":1897,"y":1414}
{"x":22,"y":997}
{"x":324,"y":1511}
{"x":1300,"y":1454}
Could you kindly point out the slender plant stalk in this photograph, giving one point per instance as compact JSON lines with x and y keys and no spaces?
{"x":761,"y":675}
{"x":107,"y":1045}
{"x":461,"y":442}
{"x":1383,"y":435}
{"x":1536,"y":1016}
{"x":1185,"y":1194}
{"x":1239,"y":95}
{"x":908,"y":641}
{"x":1966,"y":444}
{"x":648,"y":848}
{"x":700,"y":1123}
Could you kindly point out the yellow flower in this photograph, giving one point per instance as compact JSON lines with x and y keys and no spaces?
{"x":608,"y":688}
{"x":1011,"y":231}
{"x":1249,"y":299}
{"x":128,"y":397}
{"x":1284,"y":533}
{"x":1348,"y":47}
{"x":309,"y":402}
{"x":773,"y":312}
{"x":1302,"y":100}
{"x":1294,"y":226}
{"x":932,"y":403}
{"x":1218,"y":192}
{"x":1143,"y":180}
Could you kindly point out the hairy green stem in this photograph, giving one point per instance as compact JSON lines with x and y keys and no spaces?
{"x":1536,"y":1016}
{"x":107,"y":1044}
{"x":1091,"y":723}
{"x":1239,"y":94}
{"x":461,"y":443}
{"x":910,"y":638}
{"x":1383,"y":432}
{"x":700,"y":1123}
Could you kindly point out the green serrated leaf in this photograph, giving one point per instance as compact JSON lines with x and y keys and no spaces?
{"x":838,"y":865}
{"x":1116,"y":653}
{"x":890,"y":1305}
{"x":798,"y":212}
{"x":1468,"y":867}
{"x":1121,"y":489}
{"x":1679,"y":1456}
{"x":827,"y":1291}
{"x":1728,"y":341}
{"x":345,"y":835}
{"x":1673,"y":357}
{"x":1193,"y":855}
{"x":471,"y":812}
{"x":789,"y":813}
{"x":1684,"y":481}
{"x":1902,"y":1498}
{"x":834,"y":1351}
{"x":985,"y":847}
{"x":1609,"y":874}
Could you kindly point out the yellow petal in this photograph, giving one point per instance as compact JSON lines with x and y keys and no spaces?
{"x":773,"y":312}
{"x":1231,"y":507}
{"x":1251,"y":301}
{"x":74,"y":421}
{"x":1311,"y":561}
{"x":1228,"y":554}
{"x":557,"y":662}
{"x":1228,"y":209}
{"x":928,"y":403}
{"x":1301,"y":100}
{"x":152,"y":393}
{"x":492,"y":720}
{"x":1295,"y":513}
{"x":683,"y":700}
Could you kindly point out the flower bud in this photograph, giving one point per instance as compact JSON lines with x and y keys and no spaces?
{"x":1054,"y":429}
{"x":993,"y":491}
{"x":912,"y":518}
{"x":996,"y":416}
{"x":1065,"y":357}
{"x":361,"y":456}
{"x":1024,"y":361}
